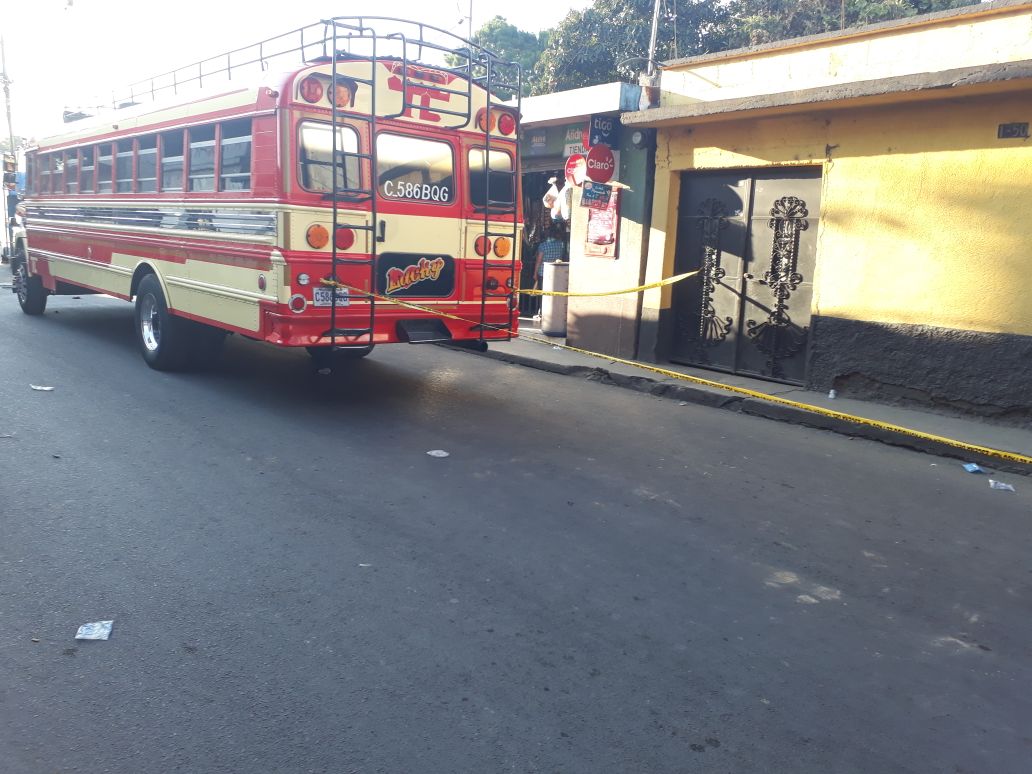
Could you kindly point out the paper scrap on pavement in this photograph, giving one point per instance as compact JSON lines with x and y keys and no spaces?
{"x":438,"y":453}
{"x":41,"y":388}
{"x":1000,"y":485}
{"x":98,"y":630}
{"x":971,"y":467}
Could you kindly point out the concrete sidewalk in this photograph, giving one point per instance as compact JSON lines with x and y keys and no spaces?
{"x":970,"y":431}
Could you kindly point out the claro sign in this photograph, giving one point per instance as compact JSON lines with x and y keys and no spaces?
{"x":601,"y":165}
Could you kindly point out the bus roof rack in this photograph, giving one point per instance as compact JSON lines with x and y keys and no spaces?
{"x":415,"y":43}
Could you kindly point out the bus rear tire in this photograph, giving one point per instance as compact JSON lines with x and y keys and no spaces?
{"x":32,"y":296}
{"x":164,"y":339}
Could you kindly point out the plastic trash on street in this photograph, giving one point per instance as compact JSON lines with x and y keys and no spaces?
{"x":438,"y":453}
{"x":98,"y":630}
{"x":971,"y":467}
{"x":41,"y":388}
{"x":1000,"y":485}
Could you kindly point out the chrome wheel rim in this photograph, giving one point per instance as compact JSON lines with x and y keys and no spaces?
{"x":21,"y":284}
{"x":150,"y":323}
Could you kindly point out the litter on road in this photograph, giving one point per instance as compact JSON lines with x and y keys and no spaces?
{"x":98,"y":630}
{"x":971,"y":467}
{"x":1000,"y":485}
{"x":41,"y":388}
{"x":438,"y":453}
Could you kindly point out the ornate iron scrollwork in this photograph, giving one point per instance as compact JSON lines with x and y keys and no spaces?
{"x":777,"y":336}
{"x":706,"y":328}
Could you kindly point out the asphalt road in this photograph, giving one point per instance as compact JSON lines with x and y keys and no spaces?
{"x":594,"y":580}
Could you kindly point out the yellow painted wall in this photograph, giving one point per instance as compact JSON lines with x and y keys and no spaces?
{"x":926,"y":217}
{"x":979,"y":37}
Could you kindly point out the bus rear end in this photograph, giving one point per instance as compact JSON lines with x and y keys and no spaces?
{"x":402,"y":221}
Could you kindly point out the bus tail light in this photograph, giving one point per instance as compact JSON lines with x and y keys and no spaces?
{"x":507,"y":123}
{"x":486,"y":120}
{"x":311,"y":89}
{"x":482,"y":246}
{"x":317,"y":236}
{"x":502,"y":246}
{"x":343,"y":238}
{"x":297,"y":303}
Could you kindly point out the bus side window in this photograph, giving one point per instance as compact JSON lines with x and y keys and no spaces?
{"x":124,"y":167}
{"x":105,"y":168}
{"x":172,"y":161}
{"x":72,"y":171}
{"x":202,"y":158}
{"x":57,"y":173}
{"x":235,"y":159}
{"x":147,"y":164}
{"x":86,"y":171}
{"x":44,"y":173}
{"x":315,"y":149}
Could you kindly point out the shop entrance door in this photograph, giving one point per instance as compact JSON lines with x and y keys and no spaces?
{"x":753,"y":237}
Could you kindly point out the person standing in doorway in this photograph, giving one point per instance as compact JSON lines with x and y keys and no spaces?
{"x":550,"y":250}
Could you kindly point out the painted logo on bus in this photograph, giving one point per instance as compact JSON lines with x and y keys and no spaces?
{"x":404,"y":274}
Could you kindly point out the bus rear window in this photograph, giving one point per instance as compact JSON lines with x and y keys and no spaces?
{"x":502,"y":191}
{"x":315,"y":152}
{"x":414,"y":169}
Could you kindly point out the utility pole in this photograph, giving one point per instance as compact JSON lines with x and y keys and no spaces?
{"x":10,"y":132}
{"x":652,"y":39}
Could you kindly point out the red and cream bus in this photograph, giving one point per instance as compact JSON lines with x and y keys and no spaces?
{"x":336,"y":206}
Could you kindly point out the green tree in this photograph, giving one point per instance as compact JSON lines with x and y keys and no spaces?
{"x":511,"y":45}
{"x":609,"y":41}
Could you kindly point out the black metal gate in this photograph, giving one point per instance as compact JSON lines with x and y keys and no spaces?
{"x":752,"y":235}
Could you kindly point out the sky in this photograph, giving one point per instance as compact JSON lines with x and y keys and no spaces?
{"x":65,"y":52}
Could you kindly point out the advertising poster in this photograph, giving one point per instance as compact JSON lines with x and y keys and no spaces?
{"x":603,"y":227}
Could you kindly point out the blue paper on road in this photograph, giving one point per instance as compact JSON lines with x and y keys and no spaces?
{"x":971,"y":467}
{"x":98,"y":630}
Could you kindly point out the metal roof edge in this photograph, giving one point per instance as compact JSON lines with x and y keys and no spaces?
{"x":565,"y":106}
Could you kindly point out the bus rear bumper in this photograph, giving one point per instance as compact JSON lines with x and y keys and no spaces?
{"x":390,"y":326}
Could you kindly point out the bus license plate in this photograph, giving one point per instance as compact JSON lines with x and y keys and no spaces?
{"x":323,"y":296}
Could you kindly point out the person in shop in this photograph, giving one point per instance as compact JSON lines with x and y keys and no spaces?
{"x":550,"y":250}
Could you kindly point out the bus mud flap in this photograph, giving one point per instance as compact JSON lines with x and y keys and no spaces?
{"x":423,"y":331}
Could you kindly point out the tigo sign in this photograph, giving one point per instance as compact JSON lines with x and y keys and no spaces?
{"x":603,"y":130}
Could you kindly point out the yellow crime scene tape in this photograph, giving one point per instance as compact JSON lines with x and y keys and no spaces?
{"x":661,"y":283}
{"x":951,"y":442}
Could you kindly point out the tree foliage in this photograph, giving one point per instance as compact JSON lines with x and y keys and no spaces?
{"x":511,"y":45}
{"x":594,"y":45}
{"x":754,"y":22}
{"x":609,"y":41}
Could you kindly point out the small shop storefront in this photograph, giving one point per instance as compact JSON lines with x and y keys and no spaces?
{"x":599,"y":224}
